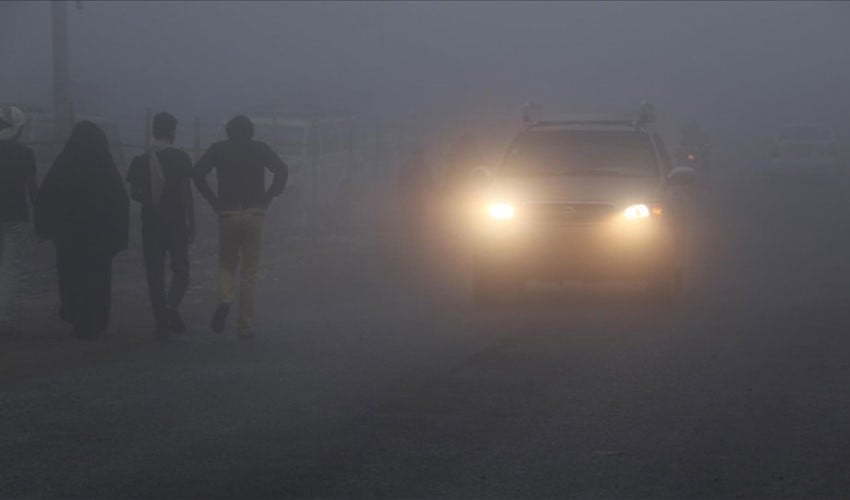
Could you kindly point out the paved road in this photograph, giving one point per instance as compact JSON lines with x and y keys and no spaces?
{"x":381,"y":380}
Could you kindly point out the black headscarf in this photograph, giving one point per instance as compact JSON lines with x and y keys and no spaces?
{"x":83,"y":200}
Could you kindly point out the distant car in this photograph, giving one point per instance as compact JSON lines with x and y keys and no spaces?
{"x":583,"y":198}
{"x":804,"y":149}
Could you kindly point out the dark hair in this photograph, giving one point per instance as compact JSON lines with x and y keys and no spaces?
{"x":164,"y":126}
{"x":87,"y":135}
{"x":240,"y":128}
{"x":88,"y":142}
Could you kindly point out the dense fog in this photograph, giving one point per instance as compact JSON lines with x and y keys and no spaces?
{"x":400,"y":286}
{"x":734,"y":66}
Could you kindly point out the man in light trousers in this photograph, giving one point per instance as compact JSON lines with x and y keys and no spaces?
{"x":240,"y":164}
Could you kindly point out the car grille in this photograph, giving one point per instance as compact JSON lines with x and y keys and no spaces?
{"x":568,"y":213}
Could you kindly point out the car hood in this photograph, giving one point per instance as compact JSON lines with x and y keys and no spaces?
{"x":565,"y":189}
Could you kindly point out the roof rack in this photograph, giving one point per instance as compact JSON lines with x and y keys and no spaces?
{"x":640,"y":120}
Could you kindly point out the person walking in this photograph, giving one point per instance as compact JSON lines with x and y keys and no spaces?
{"x":161,"y":180}
{"x":241,"y":202}
{"x":84,"y":209}
{"x":17,"y":182}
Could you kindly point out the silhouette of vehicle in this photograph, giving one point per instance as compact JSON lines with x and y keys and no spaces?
{"x":590,"y":197}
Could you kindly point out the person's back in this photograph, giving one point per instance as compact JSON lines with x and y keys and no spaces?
{"x":240,"y":164}
{"x":161,"y":181}
{"x":177,"y":173}
{"x":241,"y":172}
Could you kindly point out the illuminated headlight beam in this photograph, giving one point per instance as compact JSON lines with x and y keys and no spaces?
{"x":501,"y":211}
{"x":639,"y":211}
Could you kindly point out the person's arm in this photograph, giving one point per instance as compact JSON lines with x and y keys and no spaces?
{"x":134,"y":180}
{"x":189,"y":201}
{"x":204,"y":166}
{"x":32,"y":182}
{"x":281,"y":173}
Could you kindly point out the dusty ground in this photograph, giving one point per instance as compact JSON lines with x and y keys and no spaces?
{"x":374,"y":376}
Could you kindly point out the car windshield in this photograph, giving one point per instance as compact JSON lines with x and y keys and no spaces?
{"x":805,"y":133}
{"x":581,"y":152}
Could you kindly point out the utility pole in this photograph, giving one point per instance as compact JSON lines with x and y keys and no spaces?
{"x":62,"y":110}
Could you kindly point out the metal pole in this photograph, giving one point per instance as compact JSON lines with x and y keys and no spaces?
{"x":62,"y":109}
{"x":277,"y":149}
{"x":275,"y":139}
{"x":147,"y":141}
{"x":402,"y":134}
{"x":314,"y":163}
{"x":377,"y":146}
{"x":349,"y":160}
{"x":374,"y":188}
{"x":197,"y":144}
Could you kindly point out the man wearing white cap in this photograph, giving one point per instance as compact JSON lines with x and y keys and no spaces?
{"x":17,"y":180}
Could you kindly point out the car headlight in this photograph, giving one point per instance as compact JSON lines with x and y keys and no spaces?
{"x":639,"y":211}
{"x":501,"y":211}
{"x":642,"y":211}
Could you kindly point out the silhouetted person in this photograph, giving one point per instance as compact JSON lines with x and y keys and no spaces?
{"x":17,"y":180}
{"x":84,"y":209}
{"x":240,"y":164}
{"x":161,"y":180}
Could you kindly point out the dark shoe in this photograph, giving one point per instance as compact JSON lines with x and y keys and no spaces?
{"x":219,"y":319}
{"x":176,"y":322}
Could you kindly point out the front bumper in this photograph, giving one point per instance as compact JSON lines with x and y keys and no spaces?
{"x":614,"y":250}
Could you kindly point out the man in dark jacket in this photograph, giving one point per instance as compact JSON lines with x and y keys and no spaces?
{"x":161,"y":181}
{"x":17,"y":180}
{"x":240,"y":164}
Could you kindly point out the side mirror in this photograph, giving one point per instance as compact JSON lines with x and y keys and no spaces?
{"x":681,"y":176}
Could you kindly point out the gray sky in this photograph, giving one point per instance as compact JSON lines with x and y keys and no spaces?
{"x":725,"y":63}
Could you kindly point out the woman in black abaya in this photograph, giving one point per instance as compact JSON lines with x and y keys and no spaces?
{"x":84,"y":209}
